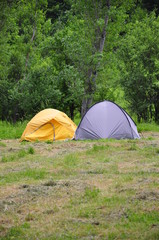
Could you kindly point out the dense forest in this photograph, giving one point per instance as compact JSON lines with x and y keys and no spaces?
{"x":69,"y":54}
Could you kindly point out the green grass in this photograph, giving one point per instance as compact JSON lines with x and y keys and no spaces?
{"x":18,"y":155}
{"x":31,"y":150}
{"x":26,"y":175}
{"x":2,"y":144}
{"x":17,"y":232}
{"x":148,"y":127}
{"x":11,"y":131}
{"x":91,"y":193}
{"x":133,"y":147}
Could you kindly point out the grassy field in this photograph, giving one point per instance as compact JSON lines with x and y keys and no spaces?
{"x":105,"y":189}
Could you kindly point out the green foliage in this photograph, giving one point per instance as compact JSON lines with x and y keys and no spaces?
{"x":77,"y":118}
{"x":51,"y":56}
{"x":71,"y":87}
{"x":139,"y":52}
{"x":19,"y":24}
{"x":39,"y":90}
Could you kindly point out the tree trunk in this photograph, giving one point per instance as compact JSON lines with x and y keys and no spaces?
{"x":32,"y":39}
{"x":157,"y":108}
{"x":27,"y":58}
{"x":72,"y":108}
{"x":90,"y":84}
{"x":15,"y":113}
{"x":86,"y":103}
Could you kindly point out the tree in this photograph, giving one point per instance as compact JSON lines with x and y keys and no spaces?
{"x":10,"y":64}
{"x":94,"y":19}
{"x":152,"y":5}
{"x":140,"y":68}
{"x":21,"y":23}
{"x":71,"y":87}
{"x":91,"y":41}
{"x":56,"y":10}
{"x":65,"y":54}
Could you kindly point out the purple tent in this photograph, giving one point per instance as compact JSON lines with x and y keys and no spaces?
{"x":106,"y":120}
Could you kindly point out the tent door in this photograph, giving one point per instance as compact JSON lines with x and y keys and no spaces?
{"x":53,"y":130}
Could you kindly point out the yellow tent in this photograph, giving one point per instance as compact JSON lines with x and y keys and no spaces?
{"x":49,"y":124}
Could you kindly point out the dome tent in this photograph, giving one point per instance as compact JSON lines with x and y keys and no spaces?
{"x":106,"y":120}
{"x":49,"y":124}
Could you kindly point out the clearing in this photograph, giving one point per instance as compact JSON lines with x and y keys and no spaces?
{"x":105,"y":189}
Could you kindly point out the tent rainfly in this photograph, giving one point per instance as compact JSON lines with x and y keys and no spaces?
{"x":49,"y":124}
{"x":106,"y":120}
